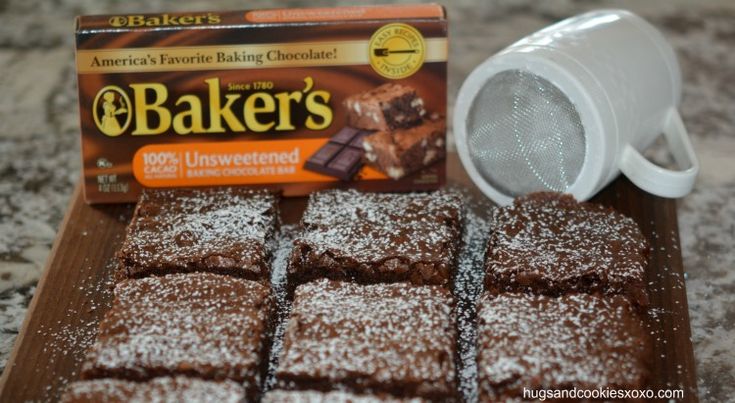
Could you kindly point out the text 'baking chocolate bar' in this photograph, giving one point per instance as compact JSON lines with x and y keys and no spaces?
{"x":263,"y":99}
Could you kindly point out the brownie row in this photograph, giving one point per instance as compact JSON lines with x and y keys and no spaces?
{"x":345,"y":235}
{"x":193,"y":298}
{"x":372,"y":315}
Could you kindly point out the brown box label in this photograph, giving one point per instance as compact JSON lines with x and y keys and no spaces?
{"x":263,"y":98}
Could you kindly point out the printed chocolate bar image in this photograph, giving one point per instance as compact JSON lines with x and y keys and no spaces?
{"x":387,"y":107}
{"x":341,"y":156}
{"x":404,"y":151}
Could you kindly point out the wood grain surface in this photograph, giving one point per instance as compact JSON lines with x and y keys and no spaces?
{"x":75,"y":291}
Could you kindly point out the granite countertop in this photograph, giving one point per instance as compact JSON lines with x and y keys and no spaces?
{"x":39,"y":145}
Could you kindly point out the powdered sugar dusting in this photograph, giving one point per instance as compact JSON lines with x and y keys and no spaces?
{"x":365,"y":315}
{"x":467,"y":288}
{"x":278,"y":284}
{"x":551,"y":342}
{"x":159,"y":390}
{"x":395,"y":336}
{"x":219,"y":229}
{"x":374,"y":237}
{"x":183,"y":323}
{"x":372,"y":226}
{"x":550,"y":243}
{"x":310,"y":396}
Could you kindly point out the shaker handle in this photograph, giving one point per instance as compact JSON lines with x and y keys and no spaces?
{"x":661,"y":181}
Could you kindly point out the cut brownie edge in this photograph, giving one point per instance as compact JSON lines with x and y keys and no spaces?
{"x":396,"y":391}
{"x":164,"y":389}
{"x":590,"y":283}
{"x":132,"y":271}
{"x":389,"y":270}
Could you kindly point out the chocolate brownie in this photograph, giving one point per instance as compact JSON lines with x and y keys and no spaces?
{"x":576,"y":340}
{"x":404,"y":151}
{"x":549,"y":243}
{"x":178,"y":389}
{"x":218,"y":230}
{"x":312,"y":396}
{"x":397,"y":339}
{"x":378,"y":237}
{"x":388,"y":107}
{"x":198,"y":324}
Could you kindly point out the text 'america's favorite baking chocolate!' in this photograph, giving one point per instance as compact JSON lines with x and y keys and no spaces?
{"x":261,"y":98}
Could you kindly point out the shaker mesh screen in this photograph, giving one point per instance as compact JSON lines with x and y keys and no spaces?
{"x":525,"y":135}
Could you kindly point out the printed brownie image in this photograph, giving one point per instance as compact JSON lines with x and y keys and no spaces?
{"x":166,"y":389}
{"x":404,"y":151}
{"x":219,"y":230}
{"x":388,"y":128}
{"x":195,"y":324}
{"x":574,"y":341}
{"x":397,"y":339}
{"x":548,"y":243}
{"x":378,"y":237}
{"x":341,"y":156}
{"x":388,"y":107}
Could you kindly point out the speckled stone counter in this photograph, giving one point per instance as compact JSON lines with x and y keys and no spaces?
{"x":39,"y":146}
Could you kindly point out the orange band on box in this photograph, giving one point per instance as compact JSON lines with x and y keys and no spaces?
{"x":231,"y":163}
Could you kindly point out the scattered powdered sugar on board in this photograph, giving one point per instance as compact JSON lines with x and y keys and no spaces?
{"x":335,"y":396}
{"x":467,"y":289}
{"x":395,"y":338}
{"x":77,"y":335}
{"x":161,"y":390}
{"x":278,"y":282}
{"x":74,"y":336}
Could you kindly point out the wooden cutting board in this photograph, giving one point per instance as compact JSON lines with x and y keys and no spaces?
{"x":74,"y":291}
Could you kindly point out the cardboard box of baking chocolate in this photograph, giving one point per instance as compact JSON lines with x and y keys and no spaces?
{"x":260,"y":98}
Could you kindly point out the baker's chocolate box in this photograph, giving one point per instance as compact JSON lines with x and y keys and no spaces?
{"x":290,"y":99}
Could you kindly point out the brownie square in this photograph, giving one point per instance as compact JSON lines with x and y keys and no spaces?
{"x":548,"y":243}
{"x":378,"y":237}
{"x":178,"y":389}
{"x":397,"y":339}
{"x":540,"y":342}
{"x":404,"y":151}
{"x":199,"y":324}
{"x":387,"y":107}
{"x":219,"y":230}
{"x":312,"y":396}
